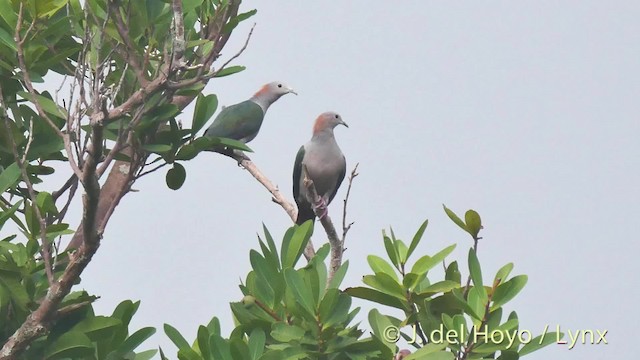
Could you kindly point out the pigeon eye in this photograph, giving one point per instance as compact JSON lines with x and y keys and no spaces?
{"x":337,"y":116}
{"x":279,"y":85}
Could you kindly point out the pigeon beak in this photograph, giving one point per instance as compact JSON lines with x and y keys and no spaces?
{"x":292,"y":91}
{"x":345,"y":124}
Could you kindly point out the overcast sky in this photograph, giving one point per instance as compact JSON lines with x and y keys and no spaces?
{"x":526,"y":111}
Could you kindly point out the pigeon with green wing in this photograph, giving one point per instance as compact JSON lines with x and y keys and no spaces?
{"x":242,"y":121}
{"x":325,"y":164}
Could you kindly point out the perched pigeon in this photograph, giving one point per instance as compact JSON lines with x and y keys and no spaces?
{"x":242,"y":121}
{"x":325,"y":164}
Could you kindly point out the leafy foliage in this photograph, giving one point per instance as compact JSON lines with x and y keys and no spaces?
{"x":132,"y":73}
{"x":286,"y":312}
{"x":293,"y":313}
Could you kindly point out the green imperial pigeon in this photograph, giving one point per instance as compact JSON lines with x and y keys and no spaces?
{"x":242,"y":121}
{"x":325,"y":164}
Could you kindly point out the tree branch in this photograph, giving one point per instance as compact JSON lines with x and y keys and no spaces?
{"x":346,"y":227}
{"x":130,"y":54}
{"x":277,"y":196}
{"x":320,"y":208}
{"x":100,"y":202}
{"x":179,"y":42}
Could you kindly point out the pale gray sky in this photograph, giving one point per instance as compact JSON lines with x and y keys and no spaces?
{"x":526,"y":111}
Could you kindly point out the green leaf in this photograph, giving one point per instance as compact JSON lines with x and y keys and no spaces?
{"x":391,"y":251}
{"x":146,"y":355}
{"x":386,"y":284}
{"x":378,"y":264}
{"x":257,"y":340}
{"x":230,"y":71}
{"x":411,"y":280}
{"x":176,"y":176}
{"x":508,"y":290}
{"x":539,"y":342}
{"x":45,"y":203}
{"x":338,"y":276}
{"x":476,"y":304}
{"x":300,"y":290}
{"x":8,"y":40}
{"x":50,"y":7}
{"x":156,"y":148}
{"x":426,"y":263}
{"x":97,"y":327}
{"x":234,"y":144}
{"x":6,"y":214}
{"x":175,"y":336}
{"x":430,"y":351}
{"x":136,"y":339}
{"x":508,"y":355}
{"x":402,"y":250}
{"x":476,"y":273}
{"x":296,"y":246}
{"x":187,"y":152}
{"x":460,"y":327}
{"x":9,"y":15}
{"x":286,"y":333}
{"x":47,"y":104}
{"x":440,"y":355}
{"x":233,"y":22}
{"x":18,"y":292}
{"x":205,"y":108}
{"x":453,"y":273}
{"x":9,"y":176}
{"x":377,"y":297}
{"x":440,"y":287}
{"x":339,"y":313}
{"x":70,"y":345}
{"x":473,"y":222}
{"x":203,"y":342}
{"x":190,"y":5}
{"x":417,"y":237}
{"x":383,"y":328}
{"x":504,"y":271}
{"x":455,"y":218}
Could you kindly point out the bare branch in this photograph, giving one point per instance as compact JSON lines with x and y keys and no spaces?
{"x":345,"y":226}
{"x":29,"y":141}
{"x":101,"y":202}
{"x":25,"y":72}
{"x":320,"y":208}
{"x":179,"y":42}
{"x":277,"y":196}
{"x":244,"y":47}
{"x":130,"y":53}
{"x":156,"y":168}
{"x":201,"y":77}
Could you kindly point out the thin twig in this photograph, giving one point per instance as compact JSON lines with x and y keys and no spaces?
{"x":71,"y":308}
{"x":158,"y":167}
{"x":130,"y":55}
{"x":200,"y":77}
{"x":25,"y":72}
{"x":345,"y":226}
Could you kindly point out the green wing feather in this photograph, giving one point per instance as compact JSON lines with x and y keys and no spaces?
{"x":297,"y":173}
{"x":239,"y":122}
